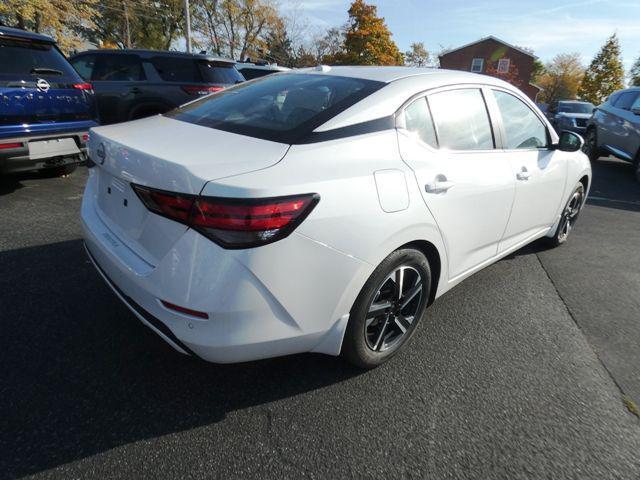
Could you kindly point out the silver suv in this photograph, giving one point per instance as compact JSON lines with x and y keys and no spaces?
{"x":614,"y":128}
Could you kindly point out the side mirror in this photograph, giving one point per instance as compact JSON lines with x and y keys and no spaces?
{"x":635,"y":111}
{"x":569,"y":141}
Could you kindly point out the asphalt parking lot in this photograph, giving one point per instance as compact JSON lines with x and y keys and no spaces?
{"x":529,"y":369}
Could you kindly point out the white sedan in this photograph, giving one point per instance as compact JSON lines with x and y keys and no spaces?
{"x":322,"y":210}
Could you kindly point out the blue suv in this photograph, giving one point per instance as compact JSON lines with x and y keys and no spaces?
{"x":46,"y":108}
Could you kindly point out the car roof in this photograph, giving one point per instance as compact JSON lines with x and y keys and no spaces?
{"x":8,"y":32}
{"x":391,"y":74}
{"x":402,"y":83}
{"x":155,"y":53}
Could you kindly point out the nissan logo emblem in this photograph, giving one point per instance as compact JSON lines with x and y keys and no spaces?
{"x":101,"y":153}
{"x":43,"y":85}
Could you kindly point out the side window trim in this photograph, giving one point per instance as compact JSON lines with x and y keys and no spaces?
{"x":499,"y":121}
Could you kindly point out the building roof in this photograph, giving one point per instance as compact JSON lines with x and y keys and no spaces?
{"x":495,"y":39}
{"x":7,"y":32}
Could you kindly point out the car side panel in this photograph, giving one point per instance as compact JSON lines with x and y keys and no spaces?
{"x":349,"y":217}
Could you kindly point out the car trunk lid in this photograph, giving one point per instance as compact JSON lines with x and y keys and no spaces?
{"x":165,"y":154}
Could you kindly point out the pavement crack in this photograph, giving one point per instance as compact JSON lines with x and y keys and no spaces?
{"x":626,"y":400}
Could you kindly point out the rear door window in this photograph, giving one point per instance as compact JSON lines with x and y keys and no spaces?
{"x":417,"y":120}
{"x":522,"y":127}
{"x":118,"y":68}
{"x":24,"y":58}
{"x":461,"y":119}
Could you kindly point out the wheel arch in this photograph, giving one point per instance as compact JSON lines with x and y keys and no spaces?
{"x":430,"y":251}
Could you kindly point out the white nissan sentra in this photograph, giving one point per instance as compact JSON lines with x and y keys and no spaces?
{"x":322,"y":210}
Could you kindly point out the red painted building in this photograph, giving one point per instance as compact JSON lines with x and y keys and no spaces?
{"x":492,"y":56}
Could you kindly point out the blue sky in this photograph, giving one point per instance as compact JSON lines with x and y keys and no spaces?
{"x":548,"y":27}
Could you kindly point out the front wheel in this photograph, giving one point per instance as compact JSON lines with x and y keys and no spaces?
{"x":569,"y":216}
{"x":388,"y":309}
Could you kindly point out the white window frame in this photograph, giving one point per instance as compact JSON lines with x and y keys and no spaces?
{"x":501,"y":63}
{"x":473,"y":65}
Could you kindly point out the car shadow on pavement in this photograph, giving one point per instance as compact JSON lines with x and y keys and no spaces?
{"x":614,"y":185}
{"x":80,"y":374}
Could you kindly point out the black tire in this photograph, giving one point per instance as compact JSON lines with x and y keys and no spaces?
{"x":590,"y":147}
{"x":636,"y":166}
{"x":59,"y":171}
{"x":568,"y":217}
{"x":367,"y":348}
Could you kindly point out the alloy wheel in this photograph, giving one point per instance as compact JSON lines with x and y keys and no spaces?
{"x":394,"y":307}
{"x":570,"y":215}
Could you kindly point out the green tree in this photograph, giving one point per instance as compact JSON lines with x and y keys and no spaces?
{"x":417,"y":55}
{"x":604,"y":75}
{"x":279,"y":47}
{"x":65,"y":20}
{"x":634,"y":74}
{"x":329,"y":48}
{"x":561,"y":78}
{"x":137,"y":24}
{"x":368,"y":40}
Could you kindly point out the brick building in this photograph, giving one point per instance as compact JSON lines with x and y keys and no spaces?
{"x":492,"y":56}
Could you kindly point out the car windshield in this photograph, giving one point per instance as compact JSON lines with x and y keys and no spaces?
{"x":22,"y":58}
{"x":576,"y":107}
{"x":283,"y":107}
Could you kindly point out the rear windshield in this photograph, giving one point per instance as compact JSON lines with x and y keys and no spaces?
{"x":251,"y":73}
{"x":283,"y":107}
{"x":176,"y":69}
{"x":576,"y":107}
{"x":24,"y":58}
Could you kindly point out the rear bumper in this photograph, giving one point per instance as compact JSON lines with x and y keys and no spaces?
{"x":288,"y":297}
{"x":14,"y":160}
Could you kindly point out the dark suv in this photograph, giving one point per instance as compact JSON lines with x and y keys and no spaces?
{"x":46,"y":109}
{"x":614,"y":128}
{"x":133,"y":84}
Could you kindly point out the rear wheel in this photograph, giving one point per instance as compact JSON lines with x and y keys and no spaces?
{"x":590,"y":147}
{"x":569,"y":216}
{"x":388,"y":309}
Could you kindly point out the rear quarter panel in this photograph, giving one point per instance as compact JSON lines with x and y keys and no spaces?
{"x":349,"y":217}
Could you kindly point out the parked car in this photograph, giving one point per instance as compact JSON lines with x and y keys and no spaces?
{"x":46,"y":109}
{"x":570,"y":115}
{"x":322,"y":210}
{"x":256,"y":70}
{"x":614,"y":128}
{"x":132,"y":84}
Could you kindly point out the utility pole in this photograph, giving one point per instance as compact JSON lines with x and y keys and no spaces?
{"x":126,"y":23}
{"x":187,"y":18}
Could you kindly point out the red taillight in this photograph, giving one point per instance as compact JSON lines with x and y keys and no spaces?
{"x":232,"y":223}
{"x":85,"y":137}
{"x":83,"y":86}
{"x":187,"y":311}
{"x":200,"y":89}
{"x":6,"y":146}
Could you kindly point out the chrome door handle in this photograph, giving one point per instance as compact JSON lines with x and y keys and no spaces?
{"x":524,"y":174}
{"x":438,"y":186}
